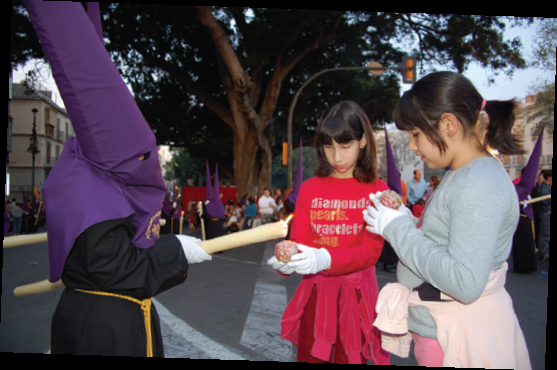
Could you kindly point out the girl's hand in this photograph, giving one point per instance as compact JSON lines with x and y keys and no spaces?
{"x":379,"y":217}
{"x":310,"y":260}
{"x":281,"y":267}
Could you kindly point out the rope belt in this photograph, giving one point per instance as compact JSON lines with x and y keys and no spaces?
{"x":145,"y":306}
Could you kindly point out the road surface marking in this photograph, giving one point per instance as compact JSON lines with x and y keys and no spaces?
{"x":262,"y":329}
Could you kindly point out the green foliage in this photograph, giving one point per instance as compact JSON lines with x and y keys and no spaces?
{"x":170,"y":61}
{"x":543,"y":110}
{"x":24,"y":45}
{"x":279,"y":172}
{"x":183,"y":167}
{"x":543,"y":55}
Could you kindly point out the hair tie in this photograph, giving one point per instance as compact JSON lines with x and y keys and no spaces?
{"x":483,"y":104}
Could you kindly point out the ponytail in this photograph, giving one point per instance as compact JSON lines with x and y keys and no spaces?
{"x":440,"y":92}
{"x":498,"y":134}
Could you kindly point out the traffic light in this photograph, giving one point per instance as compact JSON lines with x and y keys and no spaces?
{"x":284,"y":154}
{"x":409,"y":75}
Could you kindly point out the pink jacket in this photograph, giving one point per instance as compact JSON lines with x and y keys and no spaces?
{"x":484,"y":333}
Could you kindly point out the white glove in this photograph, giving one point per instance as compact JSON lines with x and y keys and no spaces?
{"x":310,"y":260}
{"x":282,"y":267}
{"x":379,"y":217}
{"x":194,"y":252}
{"x":402,"y":207}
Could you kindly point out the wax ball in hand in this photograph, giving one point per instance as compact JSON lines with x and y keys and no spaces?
{"x":391,"y":199}
{"x":285,"y":250}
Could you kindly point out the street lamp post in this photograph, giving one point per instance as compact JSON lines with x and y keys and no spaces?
{"x":33,"y":149}
{"x":374,"y":68}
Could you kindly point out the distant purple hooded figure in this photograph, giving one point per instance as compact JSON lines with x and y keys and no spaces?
{"x":298,"y":179}
{"x":166,"y":205}
{"x":393,"y":176}
{"x":6,"y":224}
{"x":110,"y":170}
{"x":212,"y":201}
{"x":528,"y":180}
{"x":524,"y":248}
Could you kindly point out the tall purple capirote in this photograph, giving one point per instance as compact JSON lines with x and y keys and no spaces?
{"x":529,"y":174}
{"x":94,"y":13}
{"x":393,"y":176}
{"x":298,"y":179}
{"x":166,"y":204}
{"x":208,"y":185}
{"x":213,"y":204}
{"x":99,"y":176}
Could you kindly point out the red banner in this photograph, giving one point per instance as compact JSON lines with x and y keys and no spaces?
{"x":197,"y":193}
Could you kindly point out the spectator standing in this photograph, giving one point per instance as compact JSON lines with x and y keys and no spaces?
{"x":416,"y":188}
{"x":249,"y":213}
{"x":17,"y":216}
{"x":434,"y":182}
{"x":12,"y":205}
{"x":267,"y":206}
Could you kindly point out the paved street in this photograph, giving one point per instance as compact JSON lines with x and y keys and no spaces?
{"x":229,"y":308}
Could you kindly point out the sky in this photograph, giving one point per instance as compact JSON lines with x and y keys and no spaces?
{"x":518,"y":86}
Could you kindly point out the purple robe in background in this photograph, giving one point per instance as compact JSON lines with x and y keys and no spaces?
{"x":524,"y":249}
{"x":6,"y":224}
{"x":527,"y":181}
{"x":388,"y":256}
{"x":99,"y":176}
{"x":393,"y":176}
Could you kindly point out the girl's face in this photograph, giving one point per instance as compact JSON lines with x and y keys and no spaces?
{"x":343,"y":157}
{"x":425,"y":149}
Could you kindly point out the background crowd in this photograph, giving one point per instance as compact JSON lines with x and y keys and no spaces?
{"x":251,"y":211}
{"x":22,"y":218}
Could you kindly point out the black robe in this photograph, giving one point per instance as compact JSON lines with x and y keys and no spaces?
{"x":104,"y":259}
{"x":214,"y":227}
{"x":524,"y":250}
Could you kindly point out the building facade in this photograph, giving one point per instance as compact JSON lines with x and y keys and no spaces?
{"x":53,"y":128}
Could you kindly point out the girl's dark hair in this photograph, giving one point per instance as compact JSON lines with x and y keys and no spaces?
{"x":450,"y":92}
{"x":344,"y":122}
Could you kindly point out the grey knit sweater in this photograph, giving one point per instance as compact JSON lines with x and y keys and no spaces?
{"x":467,"y":231}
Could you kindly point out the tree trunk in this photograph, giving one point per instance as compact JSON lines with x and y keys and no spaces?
{"x":245,"y":122}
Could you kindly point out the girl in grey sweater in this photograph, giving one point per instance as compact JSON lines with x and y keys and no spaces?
{"x":467,"y":228}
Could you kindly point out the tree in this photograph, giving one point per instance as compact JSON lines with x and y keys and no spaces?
{"x":24,"y":45}
{"x":183,"y":167}
{"x":543,"y":57}
{"x":218,"y":78}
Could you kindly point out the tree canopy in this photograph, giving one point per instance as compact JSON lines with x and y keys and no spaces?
{"x":219,"y":81}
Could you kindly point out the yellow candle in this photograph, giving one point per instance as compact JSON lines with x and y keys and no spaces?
{"x":40,"y":287}
{"x":256,"y":235}
{"x":259,"y":234}
{"x":15,"y":241}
